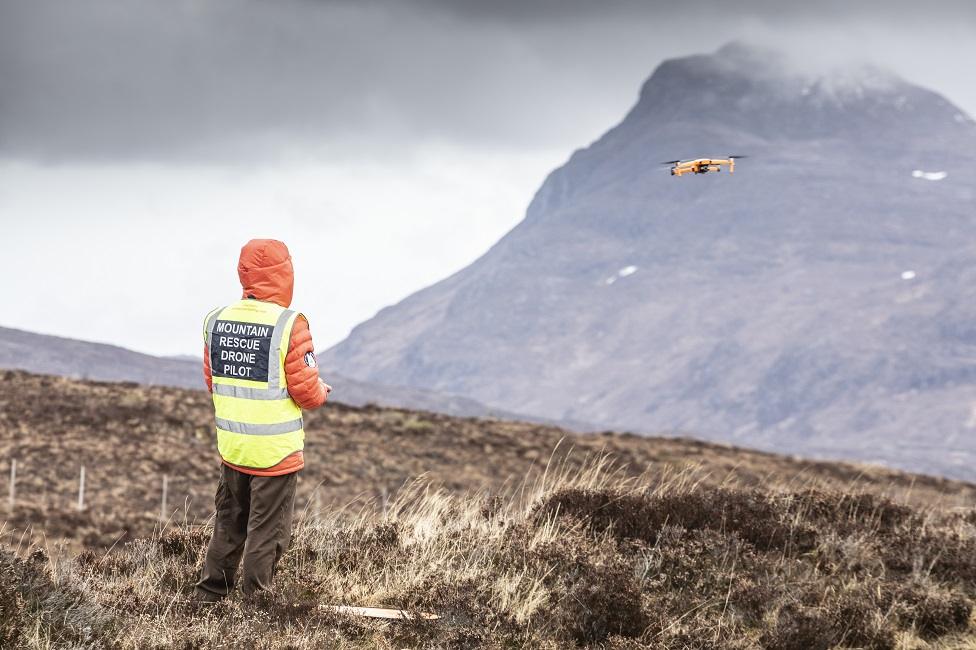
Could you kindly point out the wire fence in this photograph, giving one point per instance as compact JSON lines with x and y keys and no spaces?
{"x":80,"y":503}
{"x":13,"y":483}
{"x":312,"y":507}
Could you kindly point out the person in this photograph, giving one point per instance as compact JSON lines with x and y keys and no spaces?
{"x":259,"y":364}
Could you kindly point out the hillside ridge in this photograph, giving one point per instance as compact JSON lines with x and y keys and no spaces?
{"x":129,"y":436}
{"x":78,"y":359}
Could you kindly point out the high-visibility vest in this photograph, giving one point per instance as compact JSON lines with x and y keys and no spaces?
{"x":258,"y":423}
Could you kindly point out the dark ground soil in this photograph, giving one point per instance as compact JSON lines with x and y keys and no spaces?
{"x":128,"y":436}
{"x":624,"y":542}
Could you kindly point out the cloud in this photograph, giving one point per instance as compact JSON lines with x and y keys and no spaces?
{"x":226,"y":79}
{"x":245,"y":81}
{"x":155,"y":246}
{"x":389,"y":142}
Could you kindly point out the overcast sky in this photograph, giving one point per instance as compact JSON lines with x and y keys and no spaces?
{"x":389,"y":143}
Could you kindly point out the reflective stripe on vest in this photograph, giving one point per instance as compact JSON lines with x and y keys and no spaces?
{"x":258,"y":423}
{"x":258,"y":429}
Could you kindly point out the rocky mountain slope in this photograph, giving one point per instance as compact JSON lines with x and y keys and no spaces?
{"x":819,"y":301}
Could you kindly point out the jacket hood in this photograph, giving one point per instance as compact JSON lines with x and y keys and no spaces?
{"x":266,"y":272}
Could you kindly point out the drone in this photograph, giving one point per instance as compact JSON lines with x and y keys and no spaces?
{"x":701,"y":165}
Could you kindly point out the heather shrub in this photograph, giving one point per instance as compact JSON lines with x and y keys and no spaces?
{"x":586,"y":559}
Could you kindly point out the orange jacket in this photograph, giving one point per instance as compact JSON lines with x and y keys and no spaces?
{"x":266,"y":274}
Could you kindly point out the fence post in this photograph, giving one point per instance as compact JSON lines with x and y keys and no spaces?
{"x":162,"y":507}
{"x":13,"y":482}
{"x":81,"y":489}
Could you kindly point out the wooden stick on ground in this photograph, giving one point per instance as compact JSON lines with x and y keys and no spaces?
{"x":380,"y":612}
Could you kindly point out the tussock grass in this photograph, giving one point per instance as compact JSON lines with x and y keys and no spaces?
{"x":591,"y":557}
{"x":128,"y":437}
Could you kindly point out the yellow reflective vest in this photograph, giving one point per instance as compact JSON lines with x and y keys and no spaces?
{"x":258,"y":423}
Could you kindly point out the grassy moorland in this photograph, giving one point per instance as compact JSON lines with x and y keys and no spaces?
{"x":516,"y":535}
{"x":128,"y":436}
{"x":588,"y":558}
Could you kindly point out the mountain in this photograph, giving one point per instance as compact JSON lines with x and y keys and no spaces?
{"x":819,"y":301}
{"x":55,"y":355}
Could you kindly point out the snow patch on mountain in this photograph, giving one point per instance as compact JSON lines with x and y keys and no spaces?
{"x":929,"y":176}
{"x":622,"y":273}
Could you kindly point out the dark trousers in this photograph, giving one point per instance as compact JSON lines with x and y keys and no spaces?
{"x":254,"y":515}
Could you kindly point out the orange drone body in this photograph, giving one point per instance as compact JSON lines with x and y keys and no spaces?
{"x":702,"y":165}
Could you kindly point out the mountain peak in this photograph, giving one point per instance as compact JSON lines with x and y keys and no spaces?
{"x":774,"y":94}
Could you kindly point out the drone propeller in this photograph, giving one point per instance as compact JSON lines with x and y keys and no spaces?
{"x":736,"y":157}
{"x":671,"y":162}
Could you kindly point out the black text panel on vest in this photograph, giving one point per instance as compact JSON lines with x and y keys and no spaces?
{"x":240,"y":350}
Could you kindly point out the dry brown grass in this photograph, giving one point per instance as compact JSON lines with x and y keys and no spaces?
{"x":582,"y":554}
{"x":127,"y":436}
